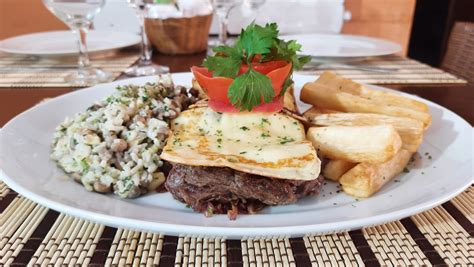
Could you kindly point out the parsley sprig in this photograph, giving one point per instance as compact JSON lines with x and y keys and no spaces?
{"x":254,"y":43}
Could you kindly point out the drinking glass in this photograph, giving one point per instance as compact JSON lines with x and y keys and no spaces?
{"x":251,"y":8}
{"x":144,"y":67}
{"x":254,"y":4}
{"x":222,"y":9}
{"x":78,"y":15}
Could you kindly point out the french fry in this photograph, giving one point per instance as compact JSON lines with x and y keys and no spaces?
{"x":334,"y":169}
{"x":411,"y":139}
{"x":330,"y":98}
{"x":373,"y":144}
{"x":314,"y":111}
{"x":411,"y":147}
{"x":410,"y":130}
{"x":401,"y":124}
{"x":365,"y":179}
{"x":346,"y":85}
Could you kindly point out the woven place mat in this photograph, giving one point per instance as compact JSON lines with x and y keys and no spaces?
{"x":408,"y":71}
{"x":34,"y":235}
{"x":32,"y":71}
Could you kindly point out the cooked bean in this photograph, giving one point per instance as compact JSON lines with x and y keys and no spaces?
{"x":119,"y":145}
{"x":120,"y":140}
{"x":101,"y":188}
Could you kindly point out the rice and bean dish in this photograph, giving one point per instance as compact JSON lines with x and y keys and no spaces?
{"x":114,"y":146}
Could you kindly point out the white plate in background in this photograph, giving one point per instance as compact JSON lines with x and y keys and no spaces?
{"x":343,"y":46}
{"x":60,"y":43}
{"x":26,"y":168}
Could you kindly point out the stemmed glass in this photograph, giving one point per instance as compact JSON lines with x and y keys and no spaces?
{"x":145,"y":66}
{"x":254,"y":4}
{"x":78,"y":15}
{"x":251,"y":8}
{"x":222,"y":9}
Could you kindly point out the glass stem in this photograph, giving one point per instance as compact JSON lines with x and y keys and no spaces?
{"x":145,"y":57}
{"x":223,"y":25}
{"x":83,"y":60}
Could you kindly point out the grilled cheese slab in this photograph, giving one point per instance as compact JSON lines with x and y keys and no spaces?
{"x":266,"y":144}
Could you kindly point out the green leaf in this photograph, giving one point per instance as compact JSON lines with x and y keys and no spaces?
{"x":248,"y":89}
{"x":293,"y":46}
{"x":288,"y":51}
{"x":223,"y":66}
{"x":299,"y":61}
{"x":256,"y":39}
{"x":228,"y":51}
{"x":226,"y":62}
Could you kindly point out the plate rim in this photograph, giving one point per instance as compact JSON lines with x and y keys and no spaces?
{"x":228,"y":231}
{"x":231,"y":232}
{"x":395,"y":46}
{"x":53,"y":53}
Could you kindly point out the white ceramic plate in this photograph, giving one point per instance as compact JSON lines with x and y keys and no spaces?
{"x":58,"y":43}
{"x":343,"y":45}
{"x":27,"y":169}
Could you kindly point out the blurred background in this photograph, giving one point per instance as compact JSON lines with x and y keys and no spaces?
{"x":411,"y":23}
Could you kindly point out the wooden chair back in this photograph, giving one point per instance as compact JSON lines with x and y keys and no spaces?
{"x":459,"y":57}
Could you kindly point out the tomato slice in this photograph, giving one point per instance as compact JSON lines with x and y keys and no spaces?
{"x":278,"y":77}
{"x":265,"y":67}
{"x":217,"y":88}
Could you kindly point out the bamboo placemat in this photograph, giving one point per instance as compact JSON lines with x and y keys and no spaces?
{"x":32,"y":71}
{"x":407,"y":71}
{"x":36,"y":236}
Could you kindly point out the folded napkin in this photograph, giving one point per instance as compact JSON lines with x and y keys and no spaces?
{"x":182,"y":9}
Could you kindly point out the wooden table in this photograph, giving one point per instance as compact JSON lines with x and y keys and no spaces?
{"x":458,"y":98}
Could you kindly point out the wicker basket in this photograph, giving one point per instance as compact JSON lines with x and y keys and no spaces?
{"x":179,"y":35}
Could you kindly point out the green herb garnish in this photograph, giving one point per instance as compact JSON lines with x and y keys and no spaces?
{"x":202,"y":131}
{"x":286,"y":139}
{"x":209,"y":211}
{"x":264,"y":121}
{"x":177,"y":141}
{"x":84,"y":166}
{"x":255,"y":44}
{"x":247,"y":90}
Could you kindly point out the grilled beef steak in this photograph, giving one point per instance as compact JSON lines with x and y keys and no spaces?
{"x":224,"y":190}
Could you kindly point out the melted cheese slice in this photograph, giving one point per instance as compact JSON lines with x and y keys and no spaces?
{"x":271,"y":145}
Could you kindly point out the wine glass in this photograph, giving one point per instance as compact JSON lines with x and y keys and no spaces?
{"x":222,"y":9}
{"x":78,"y":15}
{"x":250,"y":8}
{"x":144,"y":67}
{"x":254,"y":4}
